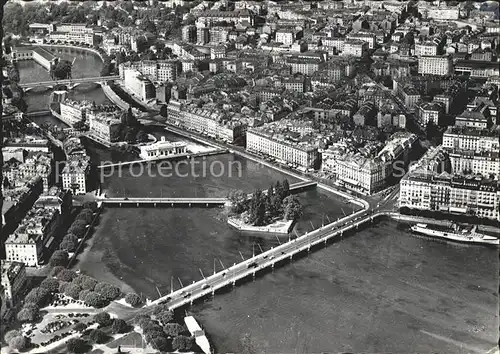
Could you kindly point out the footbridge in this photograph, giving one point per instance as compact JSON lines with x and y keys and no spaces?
{"x":131,"y":201}
{"x":267,"y":260}
{"x":194,"y":201}
{"x":70,"y":83}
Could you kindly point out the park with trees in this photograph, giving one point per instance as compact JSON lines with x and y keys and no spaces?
{"x":265,"y":208}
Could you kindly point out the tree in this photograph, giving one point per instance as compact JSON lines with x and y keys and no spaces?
{"x":85,"y":282}
{"x":68,"y":245}
{"x":63,"y":285}
{"x":85,"y":215}
{"x":165,"y":317}
{"x":11,"y":334}
{"x":38,"y":296}
{"x":109,"y":291}
{"x":13,"y":74}
{"x":18,"y":343}
{"x":50,"y":284}
{"x":59,"y":258}
{"x":89,"y":283}
{"x":92,"y":206}
{"x":238,"y":200}
{"x":292,"y":208}
{"x":286,"y":189}
{"x":80,"y":327}
{"x":70,"y":237}
{"x":83,"y":294}
{"x":141,"y":136}
{"x":95,"y":300}
{"x":182,"y":343}
{"x":76,"y":345}
{"x":78,"y":228}
{"x":67,"y":275}
{"x":97,"y":336}
{"x":62,"y":70}
{"x":160,"y":343}
{"x":133,"y":299}
{"x":103,"y":318}
{"x":173,"y":329}
{"x":73,"y":291}
{"x":28,"y":314}
{"x":119,"y":326}
{"x":142,"y":320}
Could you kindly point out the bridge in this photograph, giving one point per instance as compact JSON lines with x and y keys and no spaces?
{"x":157,"y":160}
{"x":266,"y":260}
{"x":71,"y":83}
{"x":194,"y":201}
{"x":131,"y":201}
{"x":38,"y":114}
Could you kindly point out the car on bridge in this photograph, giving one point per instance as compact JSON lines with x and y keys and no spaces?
{"x":186,"y":295}
{"x":166,"y":300}
{"x":252,"y":265}
{"x":205,"y":286}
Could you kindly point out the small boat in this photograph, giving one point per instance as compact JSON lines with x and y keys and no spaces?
{"x":456,"y":233}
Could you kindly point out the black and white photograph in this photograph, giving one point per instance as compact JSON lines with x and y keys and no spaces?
{"x":250,"y":177}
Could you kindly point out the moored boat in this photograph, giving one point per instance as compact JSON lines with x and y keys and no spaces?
{"x":456,"y":233}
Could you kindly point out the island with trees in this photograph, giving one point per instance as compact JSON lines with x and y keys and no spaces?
{"x":274,"y":211}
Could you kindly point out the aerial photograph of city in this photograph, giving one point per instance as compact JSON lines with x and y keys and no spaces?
{"x":250,"y":176}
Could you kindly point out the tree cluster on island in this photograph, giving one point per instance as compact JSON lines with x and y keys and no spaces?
{"x":62,"y":70}
{"x":264,"y":208}
{"x":130,"y":129}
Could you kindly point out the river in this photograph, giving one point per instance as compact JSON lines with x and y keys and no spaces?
{"x":87,"y":64}
{"x":379,"y":290}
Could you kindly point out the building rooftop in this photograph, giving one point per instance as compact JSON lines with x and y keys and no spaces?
{"x":32,"y":227}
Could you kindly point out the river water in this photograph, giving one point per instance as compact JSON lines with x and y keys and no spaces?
{"x":86,"y":64}
{"x":379,"y":290}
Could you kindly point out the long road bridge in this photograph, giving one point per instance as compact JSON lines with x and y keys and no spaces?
{"x":266,"y":260}
{"x":194,"y":201}
{"x":71,"y":83}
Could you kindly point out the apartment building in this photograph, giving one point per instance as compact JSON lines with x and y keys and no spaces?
{"x":75,"y":173}
{"x":141,"y":86}
{"x":210,"y":122}
{"x":306,"y":66}
{"x":13,"y":281}
{"x":435,"y":65}
{"x":103,"y":126}
{"x":486,"y":163}
{"x":74,"y":111}
{"x":369,"y":38}
{"x":32,"y":236}
{"x":37,"y":164}
{"x":285,"y":36}
{"x":427,"y":48}
{"x":468,"y":138}
{"x":472,"y":119}
{"x":450,"y":194}
{"x":429,"y":111}
{"x":367,"y":174}
{"x":355,"y":48}
{"x":264,"y":141}
{"x":218,"y":34}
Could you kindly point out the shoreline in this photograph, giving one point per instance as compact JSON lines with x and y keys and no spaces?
{"x":278,"y":227}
